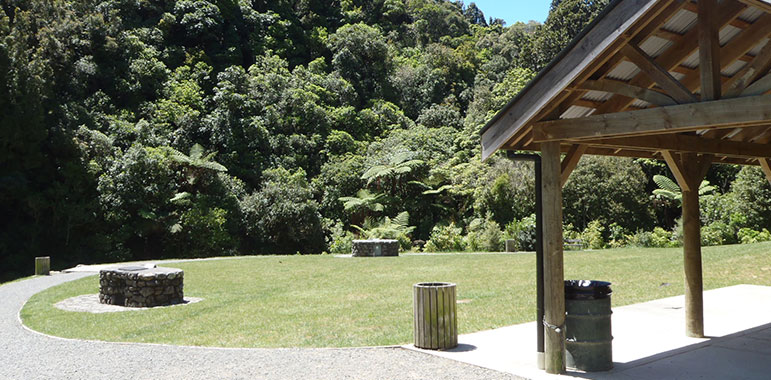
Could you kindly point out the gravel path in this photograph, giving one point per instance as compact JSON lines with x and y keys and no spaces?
{"x":28,"y":355}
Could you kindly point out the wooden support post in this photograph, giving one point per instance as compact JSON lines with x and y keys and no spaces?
{"x":709,"y":50}
{"x":765,"y":164}
{"x":689,"y":170}
{"x":694,"y":302}
{"x":554,"y":282}
{"x":42,"y":266}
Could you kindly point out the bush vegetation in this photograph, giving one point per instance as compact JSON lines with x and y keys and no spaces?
{"x":183,"y":128}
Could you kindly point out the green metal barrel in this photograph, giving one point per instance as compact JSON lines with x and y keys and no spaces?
{"x":587,"y":326}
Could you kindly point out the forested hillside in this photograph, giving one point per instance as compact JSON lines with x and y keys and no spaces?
{"x":137,"y":129}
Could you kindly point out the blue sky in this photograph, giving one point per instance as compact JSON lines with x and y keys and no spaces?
{"x":513,"y":10}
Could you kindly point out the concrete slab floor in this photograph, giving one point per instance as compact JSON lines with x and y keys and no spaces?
{"x":649,"y":341}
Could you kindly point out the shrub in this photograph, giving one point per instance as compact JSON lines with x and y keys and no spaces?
{"x":658,"y":238}
{"x":201,"y":232}
{"x":340,"y":240}
{"x":484,"y":236}
{"x":592,"y":235}
{"x":445,"y":239}
{"x":616,"y":236}
{"x":608,"y":189}
{"x":717,"y":233}
{"x":523,"y":232}
{"x":749,"y":236}
{"x":283,"y":217}
{"x":753,"y":197}
{"x":388,"y":228}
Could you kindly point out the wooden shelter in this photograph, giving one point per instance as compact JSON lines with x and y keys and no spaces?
{"x":682,"y":81}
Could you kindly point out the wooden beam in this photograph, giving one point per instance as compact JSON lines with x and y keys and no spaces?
{"x":553,"y":266}
{"x":667,"y":35}
{"x":749,"y":73}
{"x":737,"y":47}
{"x":604,"y":38}
{"x":675,"y":55}
{"x":687,"y":143}
{"x":570,"y":161}
{"x":709,"y":50}
{"x":726,"y":113}
{"x":748,"y":134}
{"x":556,"y":109}
{"x":621,"y":88}
{"x":677,"y":169}
{"x":760,"y":87}
{"x":763,"y":5}
{"x":661,"y":76}
{"x":765,"y":164}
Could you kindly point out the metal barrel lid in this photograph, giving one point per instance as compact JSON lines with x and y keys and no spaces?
{"x":587,"y":289}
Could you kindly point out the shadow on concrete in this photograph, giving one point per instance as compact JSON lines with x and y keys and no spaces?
{"x":742,"y":355}
{"x":462,"y":347}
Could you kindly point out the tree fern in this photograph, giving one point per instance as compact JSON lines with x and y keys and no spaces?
{"x":364,"y":199}
{"x":386,"y":228}
{"x":670,"y":190}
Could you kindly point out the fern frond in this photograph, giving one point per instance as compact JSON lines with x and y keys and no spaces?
{"x":196,"y":152}
{"x":437,"y":191}
{"x":667,"y":194}
{"x":403,"y":219}
{"x":705,"y":188}
{"x":666,"y":183}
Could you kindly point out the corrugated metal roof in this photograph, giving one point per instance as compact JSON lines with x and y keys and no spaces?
{"x":624,"y":71}
{"x":597,"y":96}
{"x":756,"y":49}
{"x":654,"y":46}
{"x":576,"y":111}
{"x":681,"y":22}
{"x":751,"y":14}
{"x":733,"y":68}
{"x":728,"y":33}
{"x":692,"y":61}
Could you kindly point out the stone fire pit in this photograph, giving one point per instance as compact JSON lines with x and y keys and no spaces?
{"x":137,"y":286}
{"x":375,"y":247}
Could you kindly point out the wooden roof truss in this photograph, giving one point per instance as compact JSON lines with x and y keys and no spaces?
{"x":650,"y":78}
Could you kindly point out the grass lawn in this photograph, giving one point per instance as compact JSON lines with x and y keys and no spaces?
{"x":324,"y":301}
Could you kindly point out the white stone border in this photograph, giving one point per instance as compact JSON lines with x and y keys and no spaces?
{"x":89,"y":303}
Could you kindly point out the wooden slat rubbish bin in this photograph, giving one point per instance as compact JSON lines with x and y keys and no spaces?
{"x":43,"y":266}
{"x":436,"y":322}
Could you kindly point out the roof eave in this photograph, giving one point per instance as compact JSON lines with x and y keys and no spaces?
{"x":608,"y":27}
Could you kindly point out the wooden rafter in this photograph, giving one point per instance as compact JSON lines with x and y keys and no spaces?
{"x":621,"y":88}
{"x":686,"y":143}
{"x":758,"y":67}
{"x":763,"y":5}
{"x":661,"y":76}
{"x":668,"y":12}
{"x":677,"y":169}
{"x":605,"y":38}
{"x":737,"y":47}
{"x":765,"y":164}
{"x":642,"y":153}
{"x":709,"y":50}
{"x":761,"y":86}
{"x":727,"y":113}
{"x":676,"y":54}
{"x":749,"y":133}
{"x":570,"y":161}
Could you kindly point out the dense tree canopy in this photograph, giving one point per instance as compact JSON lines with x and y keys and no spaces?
{"x":190,"y":128}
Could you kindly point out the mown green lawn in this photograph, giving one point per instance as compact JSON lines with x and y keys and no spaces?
{"x":326,"y":301}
